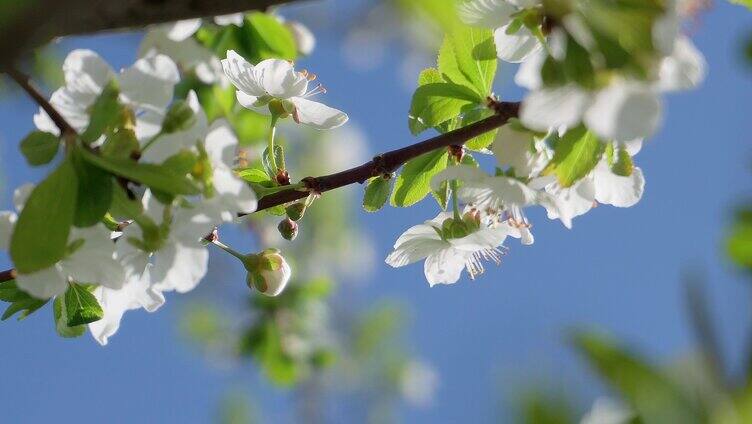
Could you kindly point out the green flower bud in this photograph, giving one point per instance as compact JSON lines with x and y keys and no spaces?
{"x":268,"y":272}
{"x":179,"y":117}
{"x":296,"y":211}
{"x":288,"y":228}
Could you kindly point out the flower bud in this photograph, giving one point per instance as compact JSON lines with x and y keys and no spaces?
{"x":288,"y":228}
{"x":268,"y":272}
{"x":179,"y":117}
{"x":296,"y":211}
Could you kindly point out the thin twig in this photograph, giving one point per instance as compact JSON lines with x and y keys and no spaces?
{"x":23,"y":80}
{"x":388,"y":162}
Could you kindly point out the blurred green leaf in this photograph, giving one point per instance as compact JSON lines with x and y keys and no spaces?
{"x":655,"y":398}
{"x":104,"y":113}
{"x":739,"y":242}
{"x":39,"y":147}
{"x":94,"y":193}
{"x":575,"y":154}
{"x":19,"y":301}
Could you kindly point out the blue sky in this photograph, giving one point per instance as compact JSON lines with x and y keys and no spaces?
{"x":617,"y":269}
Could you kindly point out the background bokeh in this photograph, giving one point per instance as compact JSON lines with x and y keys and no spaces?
{"x":488,"y":340}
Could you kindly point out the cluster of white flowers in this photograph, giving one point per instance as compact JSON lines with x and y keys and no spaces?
{"x":131,"y":272}
{"x":621,"y":112}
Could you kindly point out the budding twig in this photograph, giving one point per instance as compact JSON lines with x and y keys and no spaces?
{"x":388,"y":162}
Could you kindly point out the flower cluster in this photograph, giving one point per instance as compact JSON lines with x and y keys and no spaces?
{"x":580,"y":125}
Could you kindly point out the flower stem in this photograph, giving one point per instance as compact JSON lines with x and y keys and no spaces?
{"x":151,"y":141}
{"x":455,"y":201}
{"x":270,"y":147}
{"x":229,"y":250}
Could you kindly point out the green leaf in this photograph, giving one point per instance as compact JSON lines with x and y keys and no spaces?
{"x":81,"y":307}
{"x":414,"y":183}
{"x":94,"y":193}
{"x":484,"y":140}
{"x":442,"y":195}
{"x":181,"y":162}
{"x":40,"y":236}
{"x":266,"y":37}
{"x":254,"y":175}
{"x":430,"y":76}
{"x":39,"y":147}
{"x":59,"y":313}
{"x":123,"y":207}
{"x":377,"y":193}
{"x":436,"y":103}
{"x":157,"y":177}
{"x":577,"y":66}
{"x":575,"y":155}
{"x":623,"y":165}
{"x":739,"y":242}
{"x":104,"y":113}
{"x":468,"y":57}
{"x":745,"y":3}
{"x":19,"y":301}
{"x":655,"y":398}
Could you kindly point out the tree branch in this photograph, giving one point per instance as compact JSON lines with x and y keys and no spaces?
{"x":27,"y":24}
{"x":66,"y":130}
{"x":389,"y":162}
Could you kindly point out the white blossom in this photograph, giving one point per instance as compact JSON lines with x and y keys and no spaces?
{"x":607,"y":411}
{"x":445,"y":258}
{"x":275,"y":79}
{"x":496,"y":14}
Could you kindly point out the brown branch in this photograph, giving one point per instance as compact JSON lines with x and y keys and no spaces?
{"x":389,"y":162}
{"x":23,"y":81}
{"x":27,"y":24}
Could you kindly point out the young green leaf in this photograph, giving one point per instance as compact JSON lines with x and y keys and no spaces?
{"x":40,"y":147}
{"x":81,"y":307}
{"x":414,"y":183}
{"x":59,"y":313}
{"x":19,"y":301}
{"x":266,"y":37}
{"x":442,"y":195}
{"x":254,"y":175}
{"x":120,"y":144}
{"x":94,"y":193}
{"x":654,"y":397}
{"x":40,"y":236}
{"x":104,"y":113}
{"x":436,"y":103}
{"x":377,"y":193}
{"x":468,"y":57}
{"x":158,"y":177}
{"x":575,"y":155}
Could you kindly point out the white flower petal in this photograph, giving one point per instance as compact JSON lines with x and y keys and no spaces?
{"x":317,"y":115}
{"x":624,"y":111}
{"x":423,"y":231}
{"x":252,"y":102}
{"x":221,"y":144}
{"x":279,"y":79}
{"x":86,"y":73}
{"x":414,"y":250}
{"x":486,"y":13}
{"x":483,"y":239}
{"x":685,"y":68}
{"x":150,"y":81}
{"x":181,"y":30}
{"x":464,"y":173}
{"x":231,"y":19}
{"x":179,"y":267}
{"x":528,"y":75}
{"x":43,"y":284}
{"x":445,"y":266}
{"x":516,"y":149}
{"x":135,"y":294}
{"x":551,"y":108}
{"x":234,"y":194}
{"x":94,"y":262}
{"x":242,"y":74}
{"x":517,"y":47}
{"x":304,"y":38}
{"x":617,"y":190}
